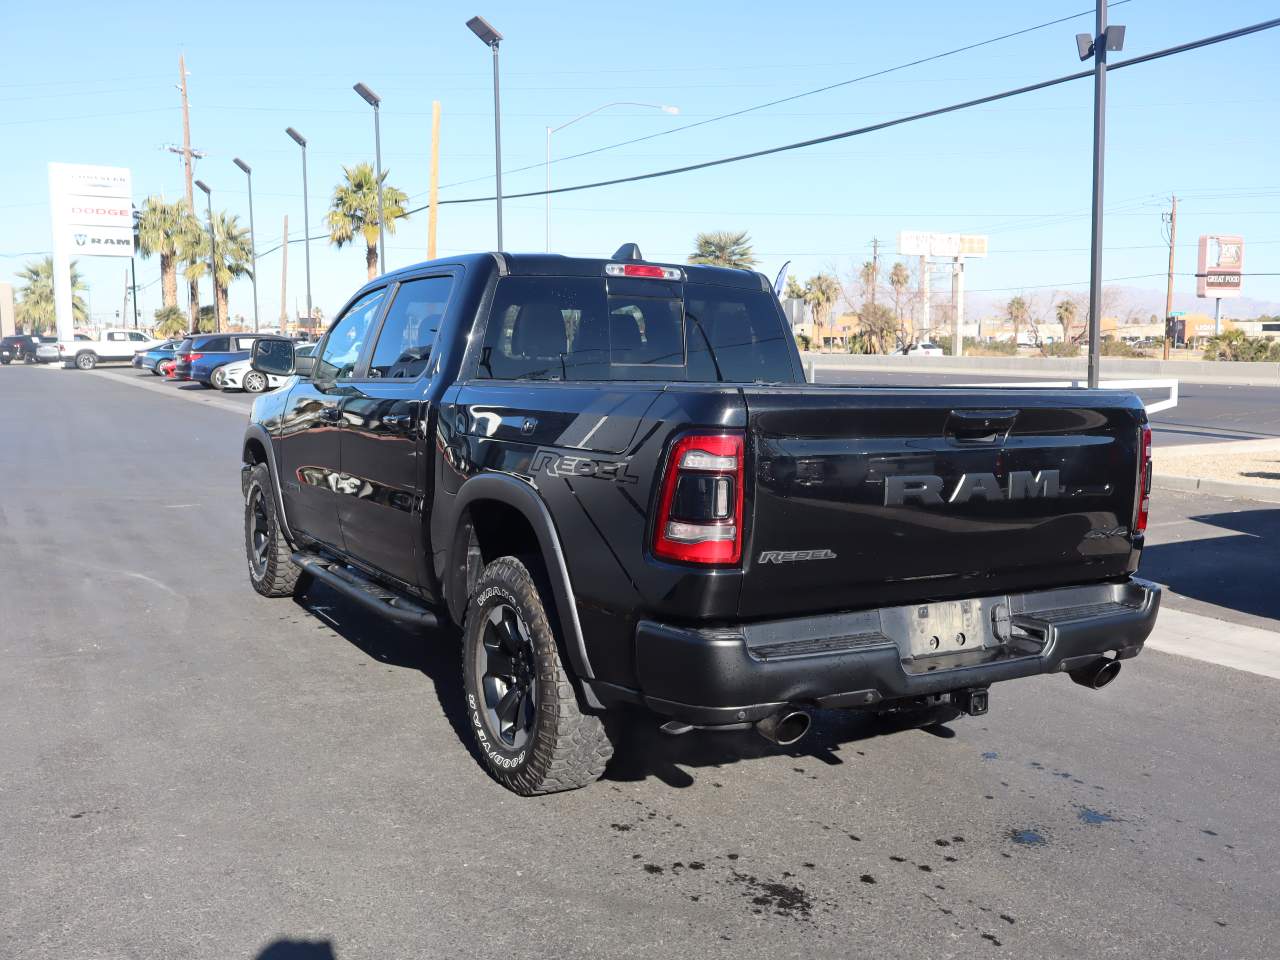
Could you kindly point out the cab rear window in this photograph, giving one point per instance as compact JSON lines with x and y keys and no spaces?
{"x":576,"y":328}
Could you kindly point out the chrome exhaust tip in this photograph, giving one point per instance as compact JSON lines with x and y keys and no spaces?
{"x":1097,"y":675}
{"x":785,"y":727}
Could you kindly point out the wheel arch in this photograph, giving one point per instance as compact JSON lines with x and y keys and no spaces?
{"x":480,"y":507}
{"x":257,"y":449}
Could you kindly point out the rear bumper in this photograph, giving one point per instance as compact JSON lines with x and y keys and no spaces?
{"x":731,"y":675}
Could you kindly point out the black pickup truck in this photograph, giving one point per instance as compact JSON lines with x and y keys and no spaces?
{"x":614,"y":477}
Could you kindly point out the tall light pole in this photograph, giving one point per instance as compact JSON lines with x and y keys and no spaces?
{"x":253,"y":238}
{"x":213,"y":256}
{"x":1104,"y":38}
{"x":550,"y":130}
{"x":374,"y":101}
{"x":301,"y":141}
{"x":482,"y":29}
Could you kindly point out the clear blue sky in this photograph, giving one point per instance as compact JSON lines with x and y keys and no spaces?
{"x":84,"y":84}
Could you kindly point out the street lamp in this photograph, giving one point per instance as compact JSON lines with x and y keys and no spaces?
{"x":301,"y":141}
{"x":213,"y":256}
{"x":374,"y":100}
{"x":550,"y":130}
{"x":482,"y":29}
{"x":253,"y":241}
{"x":1104,"y":38}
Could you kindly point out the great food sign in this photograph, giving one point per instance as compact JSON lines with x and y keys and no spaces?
{"x":1220,"y":270}
{"x":913,"y":243}
{"x":92,"y":209}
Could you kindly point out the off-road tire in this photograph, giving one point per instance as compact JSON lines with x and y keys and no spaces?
{"x":271,"y":571}
{"x":566,"y":748}
{"x":86,"y":360}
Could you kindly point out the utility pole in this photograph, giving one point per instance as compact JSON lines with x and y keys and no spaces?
{"x":186,"y":132}
{"x":433,"y":205}
{"x":957,"y":313}
{"x":284,"y":276}
{"x":924,"y":297}
{"x":1168,"y":296}
{"x":875,"y":268}
{"x":133,"y":287}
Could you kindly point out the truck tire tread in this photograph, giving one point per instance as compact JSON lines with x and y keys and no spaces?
{"x":281,"y":577}
{"x":570,"y":749}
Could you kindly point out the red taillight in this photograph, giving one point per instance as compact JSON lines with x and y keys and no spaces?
{"x":699,"y":517}
{"x":1144,"y":481}
{"x":192,"y":357}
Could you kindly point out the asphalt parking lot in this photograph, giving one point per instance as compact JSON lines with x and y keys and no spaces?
{"x":191,"y":770}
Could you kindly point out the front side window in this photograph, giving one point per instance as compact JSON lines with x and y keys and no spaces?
{"x":346,"y":339}
{"x":409,"y":330}
{"x":133,"y":335}
{"x":113,"y":335}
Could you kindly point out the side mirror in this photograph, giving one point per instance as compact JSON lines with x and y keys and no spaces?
{"x":273,"y":357}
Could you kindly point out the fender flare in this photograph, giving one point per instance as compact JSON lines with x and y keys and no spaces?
{"x":256,"y":431}
{"x":522,"y":497}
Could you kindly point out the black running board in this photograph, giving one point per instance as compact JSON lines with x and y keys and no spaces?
{"x":362,"y":589}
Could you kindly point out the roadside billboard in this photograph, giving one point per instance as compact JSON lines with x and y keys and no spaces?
{"x":1220,"y":269}
{"x":92,"y":211}
{"x":912,"y":243}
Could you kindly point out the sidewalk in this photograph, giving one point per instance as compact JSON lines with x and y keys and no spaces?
{"x":1217,"y":641}
{"x":1249,"y":469}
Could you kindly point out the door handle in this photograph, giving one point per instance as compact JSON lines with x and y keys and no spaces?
{"x":398,"y":422}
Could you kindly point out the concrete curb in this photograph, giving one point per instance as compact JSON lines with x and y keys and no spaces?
{"x":1217,"y":488}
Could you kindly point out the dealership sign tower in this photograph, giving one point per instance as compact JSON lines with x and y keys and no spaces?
{"x":92,"y":210}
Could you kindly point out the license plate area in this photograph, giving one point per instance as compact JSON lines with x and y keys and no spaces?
{"x":958,"y":629}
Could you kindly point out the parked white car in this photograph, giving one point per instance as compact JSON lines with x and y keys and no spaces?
{"x":111,"y":345}
{"x":924,"y":350}
{"x":240,"y":374}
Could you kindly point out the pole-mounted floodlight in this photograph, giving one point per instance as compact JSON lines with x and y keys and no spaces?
{"x":301,"y":141}
{"x":213,"y":254}
{"x":374,"y":101}
{"x":253,"y":241}
{"x":1104,"y":39}
{"x":484,"y":30}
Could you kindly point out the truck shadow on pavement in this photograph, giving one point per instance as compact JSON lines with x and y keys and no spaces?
{"x":298,"y":950}
{"x":434,"y":653}
{"x":641,"y":749}
{"x":1236,"y":570}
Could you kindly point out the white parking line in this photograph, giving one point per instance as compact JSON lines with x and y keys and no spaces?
{"x":1203,"y":638}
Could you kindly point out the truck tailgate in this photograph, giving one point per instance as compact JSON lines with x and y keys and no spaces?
{"x":871,"y":497}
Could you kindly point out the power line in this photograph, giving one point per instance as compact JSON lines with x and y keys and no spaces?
{"x":795,"y":96}
{"x":872,"y":128}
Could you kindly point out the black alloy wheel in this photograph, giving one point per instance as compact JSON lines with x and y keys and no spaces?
{"x":259,"y":532}
{"x":508,"y":678}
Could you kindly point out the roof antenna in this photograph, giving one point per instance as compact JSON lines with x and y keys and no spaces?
{"x":628,"y":251}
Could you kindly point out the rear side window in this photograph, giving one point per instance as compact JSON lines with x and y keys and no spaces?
{"x":741,"y":332}
{"x":216,"y":345}
{"x":409,"y":330}
{"x":185,"y":346}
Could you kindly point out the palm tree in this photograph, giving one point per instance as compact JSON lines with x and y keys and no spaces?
{"x":1066,"y":311}
{"x":35,"y":310}
{"x":1018,"y":313}
{"x":821,"y":293}
{"x":899,"y":277}
{"x":794,"y":290}
{"x":724,"y":248}
{"x":171,"y":322}
{"x":160,"y":228}
{"x":870,"y":280}
{"x":234,"y":254}
{"x":354,"y":210}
